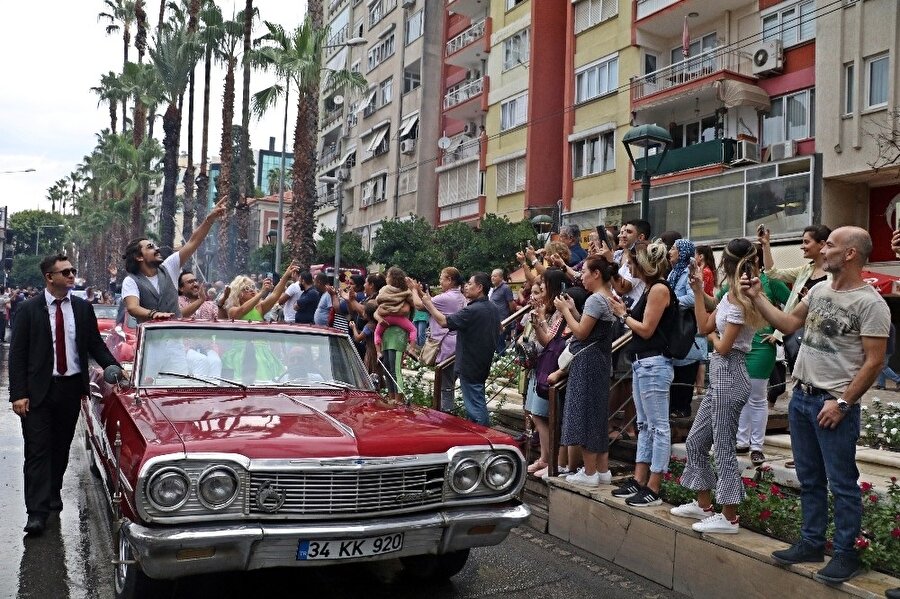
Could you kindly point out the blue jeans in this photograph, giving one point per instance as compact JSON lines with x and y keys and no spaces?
{"x":651,"y":380}
{"x":474,"y":401}
{"x":887,"y":373}
{"x":826,"y":458}
{"x":421,"y":329}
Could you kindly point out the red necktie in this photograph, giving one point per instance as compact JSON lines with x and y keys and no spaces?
{"x":61,"y":363}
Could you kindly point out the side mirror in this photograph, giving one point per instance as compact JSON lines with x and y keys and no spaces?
{"x":114,"y":374}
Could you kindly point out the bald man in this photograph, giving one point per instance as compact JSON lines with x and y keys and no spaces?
{"x":847,"y":324}
{"x":502,"y":297}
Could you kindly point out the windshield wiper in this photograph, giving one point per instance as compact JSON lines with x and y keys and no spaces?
{"x":209,"y":381}
{"x":312,"y":384}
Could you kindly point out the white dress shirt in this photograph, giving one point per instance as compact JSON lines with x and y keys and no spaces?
{"x":72,"y":364}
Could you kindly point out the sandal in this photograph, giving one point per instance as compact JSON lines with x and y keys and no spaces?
{"x":536,"y":465}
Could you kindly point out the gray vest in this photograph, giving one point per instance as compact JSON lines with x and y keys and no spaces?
{"x":165,"y":300}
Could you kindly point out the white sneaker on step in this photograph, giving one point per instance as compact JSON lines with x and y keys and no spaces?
{"x":692,"y":510}
{"x":716,"y":524}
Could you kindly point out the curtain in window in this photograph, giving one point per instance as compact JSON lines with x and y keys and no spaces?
{"x":797,"y":116}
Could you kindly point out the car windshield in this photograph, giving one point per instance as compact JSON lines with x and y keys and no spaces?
{"x":105,"y":311}
{"x":264,"y":357}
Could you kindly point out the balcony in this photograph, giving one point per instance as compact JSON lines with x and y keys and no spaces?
{"x":330,"y":154}
{"x":463,"y":50}
{"x":470,"y":8}
{"x":461,"y":148}
{"x":665,"y":18}
{"x":335,"y":42}
{"x":685,"y":73}
{"x":717,"y":151}
{"x":463,"y":92}
{"x":329,"y":117}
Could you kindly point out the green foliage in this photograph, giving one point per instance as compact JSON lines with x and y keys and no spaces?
{"x":495,"y":245}
{"x":25,"y":271}
{"x":410,"y":244}
{"x":881,"y":425}
{"x":25,"y":224}
{"x":352,"y":252}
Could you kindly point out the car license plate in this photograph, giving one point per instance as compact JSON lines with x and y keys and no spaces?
{"x":309,"y":549}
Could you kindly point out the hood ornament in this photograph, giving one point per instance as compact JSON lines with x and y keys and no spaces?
{"x":269,"y":498}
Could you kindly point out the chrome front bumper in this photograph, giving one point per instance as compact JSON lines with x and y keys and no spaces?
{"x":172,"y":552}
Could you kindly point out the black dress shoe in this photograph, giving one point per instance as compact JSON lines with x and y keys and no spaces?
{"x":35,"y":525}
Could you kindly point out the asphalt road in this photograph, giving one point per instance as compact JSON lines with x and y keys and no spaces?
{"x":73,"y":558}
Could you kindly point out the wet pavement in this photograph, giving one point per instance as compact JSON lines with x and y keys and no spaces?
{"x":72,"y":560}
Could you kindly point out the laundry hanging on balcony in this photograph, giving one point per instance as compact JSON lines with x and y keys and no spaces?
{"x":737,"y":93}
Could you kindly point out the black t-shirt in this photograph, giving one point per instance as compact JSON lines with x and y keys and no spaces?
{"x":306,"y":305}
{"x":477,"y":326}
{"x":657,"y":342}
{"x":811,"y":282}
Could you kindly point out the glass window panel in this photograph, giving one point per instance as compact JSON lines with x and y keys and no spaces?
{"x":594,"y":156}
{"x":849,"y":87}
{"x":649,"y":63}
{"x":659,"y":191}
{"x":612,"y":80}
{"x":797,"y":122}
{"x":692,"y":133}
{"x":717,"y":214}
{"x":708,"y":128}
{"x":670,"y":214}
{"x":762,"y":172}
{"x":807,"y":21}
{"x":724,"y":180}
{"x":609,"y":151}
{"x":773,"y":123}
{"x":878,"y":81}
{"x":790,"y":27}
{"x":783,"y":205}
{"x":578,"y":159}
{"x":770,"y":27}
{"x":793,"y":167}
{"x":812,"y":112}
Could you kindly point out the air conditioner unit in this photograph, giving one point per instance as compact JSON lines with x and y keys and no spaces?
{"x":470,"y":129}
{"x":408,"y":146}
{"x":768,"y":57}
{"x":782,"y":150}
{"x":747,"y":152}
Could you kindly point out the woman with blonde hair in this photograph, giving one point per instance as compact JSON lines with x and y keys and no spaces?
{"x":250,"y":302}
{"x":730,"y":329}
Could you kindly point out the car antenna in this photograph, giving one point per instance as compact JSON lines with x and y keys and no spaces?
{"x":387,"y":371}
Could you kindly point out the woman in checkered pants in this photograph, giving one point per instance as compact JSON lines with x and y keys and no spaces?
{"x":730,"y":329}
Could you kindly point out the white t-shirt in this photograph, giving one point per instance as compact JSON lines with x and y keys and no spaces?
{"x":172,"y":265}
{"x":728,"y":313}
{"x":637,"y":286}
{"x":293,"y":291}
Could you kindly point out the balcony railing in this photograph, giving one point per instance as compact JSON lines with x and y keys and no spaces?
{"x":472,"y":34}
{"x":707,"y":62}
{"x":463,"y":91}
{"x":467,"y":149}
{"x":330,"y":116}
{"x":648,"y":7}
{"x":334,"y":42}
{"x":329,"y":154}
{"x":716,"y":151}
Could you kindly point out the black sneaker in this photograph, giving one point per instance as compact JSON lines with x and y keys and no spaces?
{"x":627,"y":489}
{"x":841,"y":568}
{"x":644,"y":498}
{"x":741,"y":450}
{"x":798,"y":553}
{"x":892,"y":593}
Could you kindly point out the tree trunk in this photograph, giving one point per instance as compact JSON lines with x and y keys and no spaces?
{"x":113,"y":112}
{"x":223,"y":185}
{"x":187,"y":227}
{"x":137,"y":138}
{"x":245,"y":188}
{"x":203,"y":185}
{"x":171,"y":130}
{"x":126,"y":40}
{"x":140,"y":40}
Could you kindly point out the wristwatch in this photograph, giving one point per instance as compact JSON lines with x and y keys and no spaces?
{"x":843,"y":406}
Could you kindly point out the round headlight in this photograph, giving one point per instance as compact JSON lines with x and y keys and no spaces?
{"x":465,"y":476}
{"x":218,"y":487}
{"x":499,"y":472}
{"x":168,"y":489}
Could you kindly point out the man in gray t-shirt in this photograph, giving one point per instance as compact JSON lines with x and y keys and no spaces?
{"x":847,"y":325}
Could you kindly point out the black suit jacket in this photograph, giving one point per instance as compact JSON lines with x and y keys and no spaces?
{"x":31,"y":353}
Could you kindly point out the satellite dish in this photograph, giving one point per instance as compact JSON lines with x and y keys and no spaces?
{"x":444,"y":143}
{"x":337,"y":100}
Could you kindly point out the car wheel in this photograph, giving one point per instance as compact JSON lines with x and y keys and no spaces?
{"x":129,"y":581}
{"x":435,"y":567}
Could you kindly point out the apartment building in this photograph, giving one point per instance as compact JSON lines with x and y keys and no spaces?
{"x":857,"y":77}
{"x":378,"y":148}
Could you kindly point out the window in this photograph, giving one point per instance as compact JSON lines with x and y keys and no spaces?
{"x":412,"y":76}
{"x":415,"y":26}
{"x":409,"y":181}
{"x":374,"y":190}
{"x":697,"y":47}
{"x":597,"y":79}
{"x":510,"y":176}
{"x":386,"y":91}
{"x":594,"y":155}
{"x":692,"y":132}
{"x":514,"y":112}
{"x":591,"y":12}
{"x":460,"y":184}
{"x":650,"y":66}
{"x":378,"y":143}
{"x":790,"y":117}
{"x":849,"y":87}
{"x":511,"y":4}
{"x":876,"y":81}
{"x":359,"y":27}
{"x":516,"y":50}
{"x":791,"y":25}
{"x":381,"y":52}
{"x":378,"y":10}
{"x":354,"y":68}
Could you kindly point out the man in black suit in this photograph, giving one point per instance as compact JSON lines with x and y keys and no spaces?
{"x":56,"y":333}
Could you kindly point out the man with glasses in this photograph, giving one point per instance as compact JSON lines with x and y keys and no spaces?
{"x":571,"y":236}
{"x":56,"y":334}
{"x":192,"y":300}
{"x":149,"y":291}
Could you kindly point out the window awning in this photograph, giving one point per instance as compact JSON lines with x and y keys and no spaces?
{"x":408,"y":123}
{"x":377,"y":139}
{"x":738,"y":93}
{"x":367,"y":101}
{"x":347,"y":154}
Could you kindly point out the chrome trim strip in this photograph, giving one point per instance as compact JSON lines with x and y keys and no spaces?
{"x":334,"y":422}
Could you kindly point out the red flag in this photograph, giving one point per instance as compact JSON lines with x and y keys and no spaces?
{"x":685,"y":40}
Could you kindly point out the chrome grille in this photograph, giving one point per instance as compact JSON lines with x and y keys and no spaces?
{"x":351,"y":492}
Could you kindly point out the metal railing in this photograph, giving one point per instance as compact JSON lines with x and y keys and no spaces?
{"x":464,"y":91}
{"x":706,"y":63}
{"x":472,"y":34}
{"x":329,"y":154}
{"x":467,"y":149}
{"x":335,"y":42}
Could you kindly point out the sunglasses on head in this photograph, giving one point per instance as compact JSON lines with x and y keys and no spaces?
{"x":66,"y":272}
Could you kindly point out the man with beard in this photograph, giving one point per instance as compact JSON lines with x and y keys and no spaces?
{"x":149,"y":291}
{"x":192,"y":299}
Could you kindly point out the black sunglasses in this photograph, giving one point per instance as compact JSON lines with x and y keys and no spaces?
{"x":66,"y":272}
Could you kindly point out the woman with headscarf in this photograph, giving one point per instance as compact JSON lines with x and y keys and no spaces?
{"x":685,"y":370}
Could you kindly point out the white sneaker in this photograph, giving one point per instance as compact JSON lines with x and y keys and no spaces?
{"x":716,"y":524}
{"x":605,"y":477}
{"x":691,"y":510}
{"x":586,"y":480}
{"x":566,"y":475}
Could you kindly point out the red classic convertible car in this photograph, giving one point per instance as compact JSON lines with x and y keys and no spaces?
{"x":238,"y":446}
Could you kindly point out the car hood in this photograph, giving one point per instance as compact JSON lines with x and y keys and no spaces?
{"x":295,"y":425}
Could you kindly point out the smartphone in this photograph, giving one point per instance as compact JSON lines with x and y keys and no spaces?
{"x":603,"y":236}
{"x":692,"y":266}
{"x":748,"y":269}
{"x":563,"y":289}
{"x":760,"y":230}
{"x":270,"y":275}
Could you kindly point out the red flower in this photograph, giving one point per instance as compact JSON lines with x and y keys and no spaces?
{"x":667,"y":476}
{"x":763,"y":497}
{"x":862,"y":543}
{"x":746,"y":480}
{"x":678,"y":480}
{"x":765,"y":515}
{"x":775,"y":490}
{"x":873,"y":498}
{"x":896,"y":533}
{"x":893,"y":479}
{"x":865,"y":487}
{"x":751,"y":484}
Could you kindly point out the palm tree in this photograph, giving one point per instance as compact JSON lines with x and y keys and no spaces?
{"x":140,"y":38}
{"x":174,"y":56}
{"x":120,"y":14}
{"x":297,"y":59}
{"x":210,"y":38}
{"x":187,"y":227}
{"x":110,"y":91}
{"x":242,"y":216}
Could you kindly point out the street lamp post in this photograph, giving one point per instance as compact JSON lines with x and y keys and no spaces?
{"x":37,"y":242}
{"x":339,"y":217}
{"x":272,"y":237}
{"x":643,"y":139}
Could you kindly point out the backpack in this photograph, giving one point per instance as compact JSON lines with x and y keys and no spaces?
{"x":680,"y":328}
